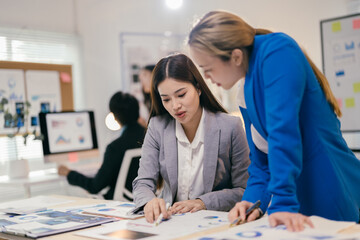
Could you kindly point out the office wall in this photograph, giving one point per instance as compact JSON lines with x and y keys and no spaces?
{"x":99,"y":22}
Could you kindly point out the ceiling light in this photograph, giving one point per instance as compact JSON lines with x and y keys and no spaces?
{"x":174,"y":4}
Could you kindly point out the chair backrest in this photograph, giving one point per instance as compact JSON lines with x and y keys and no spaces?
{"x":123,"y":187}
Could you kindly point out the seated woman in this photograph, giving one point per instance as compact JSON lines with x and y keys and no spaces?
{"x":126,"y":112}
{"x":199,"y":151}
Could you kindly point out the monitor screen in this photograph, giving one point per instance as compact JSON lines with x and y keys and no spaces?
{"x":68,"y":135}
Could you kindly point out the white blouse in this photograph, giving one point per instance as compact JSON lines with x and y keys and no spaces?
{"x":190,"y":162}
{"x":258,"y":140}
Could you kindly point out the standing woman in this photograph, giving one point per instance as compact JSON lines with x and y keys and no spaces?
{"x":198,"y":150}
{"x":145,"y":80}
{"x":298,"y":155}
{"x":144,"y":99}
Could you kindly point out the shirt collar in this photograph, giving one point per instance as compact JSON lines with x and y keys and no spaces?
{"x":122,"y":129}
{"x":199,"y":135}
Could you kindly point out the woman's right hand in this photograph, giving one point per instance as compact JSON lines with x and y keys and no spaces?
{"x":63,"y":170}
{"x":154,"y":208}
{"x":240,"y":210}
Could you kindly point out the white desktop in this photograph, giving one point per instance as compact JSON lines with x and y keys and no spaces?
{"x":69,"y":139}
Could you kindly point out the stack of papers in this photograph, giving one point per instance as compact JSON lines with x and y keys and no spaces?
{"x":179,"y":225}
{"x":213,"y":225}
{"x":48,"y":223}
{"x":34,"y":218}
{"x":260,"y":229}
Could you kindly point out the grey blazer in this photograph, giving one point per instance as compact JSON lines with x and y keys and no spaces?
{"x":226,"y":159}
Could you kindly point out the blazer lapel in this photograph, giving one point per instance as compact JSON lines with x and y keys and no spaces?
{"x":211,"y":150}
{"x":251,"y":108}
{"x":170,"y":153}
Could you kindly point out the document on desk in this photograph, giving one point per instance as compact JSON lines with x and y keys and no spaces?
{"x":115,"y":209}
{"x":48,"y":223}
{"x":260,"y":229}
{"x":178,"y":225}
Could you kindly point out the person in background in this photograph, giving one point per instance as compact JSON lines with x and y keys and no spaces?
{"x":125,"y":108}
{"x":145,"y":103}
{"x":198,"y":150}
{"x":299,"y":159}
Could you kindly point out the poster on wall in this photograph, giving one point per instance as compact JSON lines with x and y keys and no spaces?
{"x":12,"y":94}
{"x":44,"y":94}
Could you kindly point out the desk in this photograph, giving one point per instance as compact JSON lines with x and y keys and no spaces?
{"x":85,"y":201}
{"x":35,"y":178}
{"x":88,"y":168}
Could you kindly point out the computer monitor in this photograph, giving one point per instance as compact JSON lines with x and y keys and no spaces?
{"x":68,"y":136}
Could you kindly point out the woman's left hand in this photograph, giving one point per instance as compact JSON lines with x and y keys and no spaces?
{"x":188,"y":206}
{"x":294,"y":222}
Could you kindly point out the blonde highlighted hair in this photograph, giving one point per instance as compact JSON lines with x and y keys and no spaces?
{"x":218,"y":33}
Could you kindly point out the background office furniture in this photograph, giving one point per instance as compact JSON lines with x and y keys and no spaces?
{"x":45,"y":181}
{"x":28,"y":182}
{"x":26,"y":82}
{"x":123,"y":187}
{"x":23,"y":82}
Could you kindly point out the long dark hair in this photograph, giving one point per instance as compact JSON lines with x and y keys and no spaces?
{"x":180,"y":67}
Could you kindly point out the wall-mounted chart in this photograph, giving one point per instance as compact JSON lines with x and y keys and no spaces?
{"x":340,"y":38}
{"x":12,"y":88}
{"x":341,"y":65}
{"x":46,"y":87}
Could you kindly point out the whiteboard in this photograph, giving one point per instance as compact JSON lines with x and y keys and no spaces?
{"x":340,"y":39}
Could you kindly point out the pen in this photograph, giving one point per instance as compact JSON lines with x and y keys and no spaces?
{"x":248,"y":212}
{"x":159,"y":219}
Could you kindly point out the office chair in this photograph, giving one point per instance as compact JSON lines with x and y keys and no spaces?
{"x":123,"y":187}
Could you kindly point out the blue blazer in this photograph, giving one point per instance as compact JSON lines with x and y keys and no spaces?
{"x":309,"y":167}
{"x":226,"y":159}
